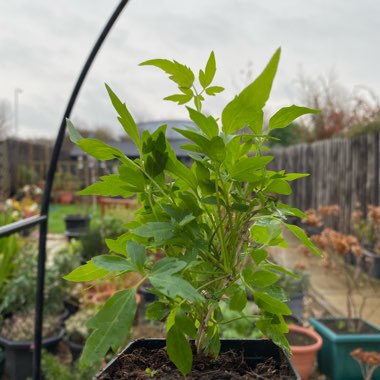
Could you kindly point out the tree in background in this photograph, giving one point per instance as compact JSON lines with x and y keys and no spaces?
{"x":290,"y":135}
{"x":342,"y":111}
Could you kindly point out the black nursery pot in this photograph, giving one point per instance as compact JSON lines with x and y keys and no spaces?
{"x":255,"y":351}
{"x":372,"y":263}
{"x":76,"y":225}
{"x":19,"y":355}
{"x":75,"y":349}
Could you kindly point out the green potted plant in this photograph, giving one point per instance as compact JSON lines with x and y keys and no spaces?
{"x":17,"y":309}
{"x":209,"y":224}
{"x":367,"y":229}
{"x":342,"y":334}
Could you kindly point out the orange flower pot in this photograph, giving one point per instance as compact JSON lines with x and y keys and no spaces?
{"x":304,"y":353}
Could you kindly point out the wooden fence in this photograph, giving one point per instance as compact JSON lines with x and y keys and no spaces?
{"x":342,"y":171}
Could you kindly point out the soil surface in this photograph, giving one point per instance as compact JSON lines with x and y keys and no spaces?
{"x":296,"y":338}
{"x":347,"y":326}
{"x":155,"y":364}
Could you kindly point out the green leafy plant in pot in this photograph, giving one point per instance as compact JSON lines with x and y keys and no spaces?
{"x":212,"y":222}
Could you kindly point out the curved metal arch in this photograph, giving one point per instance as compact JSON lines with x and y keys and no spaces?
{"x":48,"y":187}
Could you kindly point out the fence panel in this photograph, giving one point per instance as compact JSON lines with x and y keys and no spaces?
{"x":342,"y":171}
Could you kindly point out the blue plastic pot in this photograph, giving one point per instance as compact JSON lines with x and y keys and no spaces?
{"x":334,"y":359}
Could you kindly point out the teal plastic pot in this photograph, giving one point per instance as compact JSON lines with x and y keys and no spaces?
{"x":334,"y":359}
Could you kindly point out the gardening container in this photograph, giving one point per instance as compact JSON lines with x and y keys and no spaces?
{"x":334,"y":359}
{"x":76,"y":225}
{"x":2,"y":361}
{"x":75,"y":349}
{"x":372,"y":263}
{"x":19,"y":355}
{"x":304,"y":344}
{"x":312,"y":230}
{"x":255,"y":352}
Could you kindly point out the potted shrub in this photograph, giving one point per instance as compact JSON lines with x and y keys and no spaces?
{"x":16,"y":337}
{"x":341,"y":335}
{"x":367,"y":229}
{"x":210,"y":223}
{"x":17,"y":309}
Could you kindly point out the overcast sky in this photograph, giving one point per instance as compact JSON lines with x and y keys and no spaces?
{"x":43,"y":46}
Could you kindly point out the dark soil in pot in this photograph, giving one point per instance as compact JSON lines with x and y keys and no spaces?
{"x":347,"y":326}
{"x":296,"y":338}
{"x":145,"y":363}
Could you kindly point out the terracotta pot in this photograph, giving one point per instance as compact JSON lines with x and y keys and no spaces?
{"x":303,"y":356}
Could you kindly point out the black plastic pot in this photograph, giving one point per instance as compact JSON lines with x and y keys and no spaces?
{"x":76,"y":225}
{"x":255,"y":352}
{"x":19,"y":355}
{"x":372,"y":263}
{"x":312,"y":230}
{"x":2,"y":361}
{"x":75,"y":349}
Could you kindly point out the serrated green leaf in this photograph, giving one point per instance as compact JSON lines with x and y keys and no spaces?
{"x":125,"y":118}
{"x":206,"y":77}
{"x":242,"y":109}
{"x":208,"y":125}
{"x":263,"y":278}
{"x":185,"y":324}
{"x":118,"y":245}
{"x":198,"y":102}
{"x":238,"y":300}
{"x":179,"y":98}
{"x":293,"y":176}
{"x":132,"y":177}
{"x":111,"y":326}
{"x":168,"y":266}
{"x":256,"y":123}
{"x":179,"y":350}
{"x":179,"y":73}
{"x":160,"y":231}
{"x":274,"y":332}
{"x":214,"y":90}
{"x":86,"y":272}
{"x":176,"y":167}
{"x":136,"y":252}
{"x":156,"y":311}
{"x":173,"y":286}
{"x":273,"y":305}
{"x":286,"y":115}
{"x":113,"y":263}
{"x":245,"y":168}
{"x":259,"y":255}
{"x":279,"y":186}
{"x":300,"y":235}
{"x":265,"y":231}
{"x":99,"y":150}
{"x":110,"y":186}
{"x":74,"y":135}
